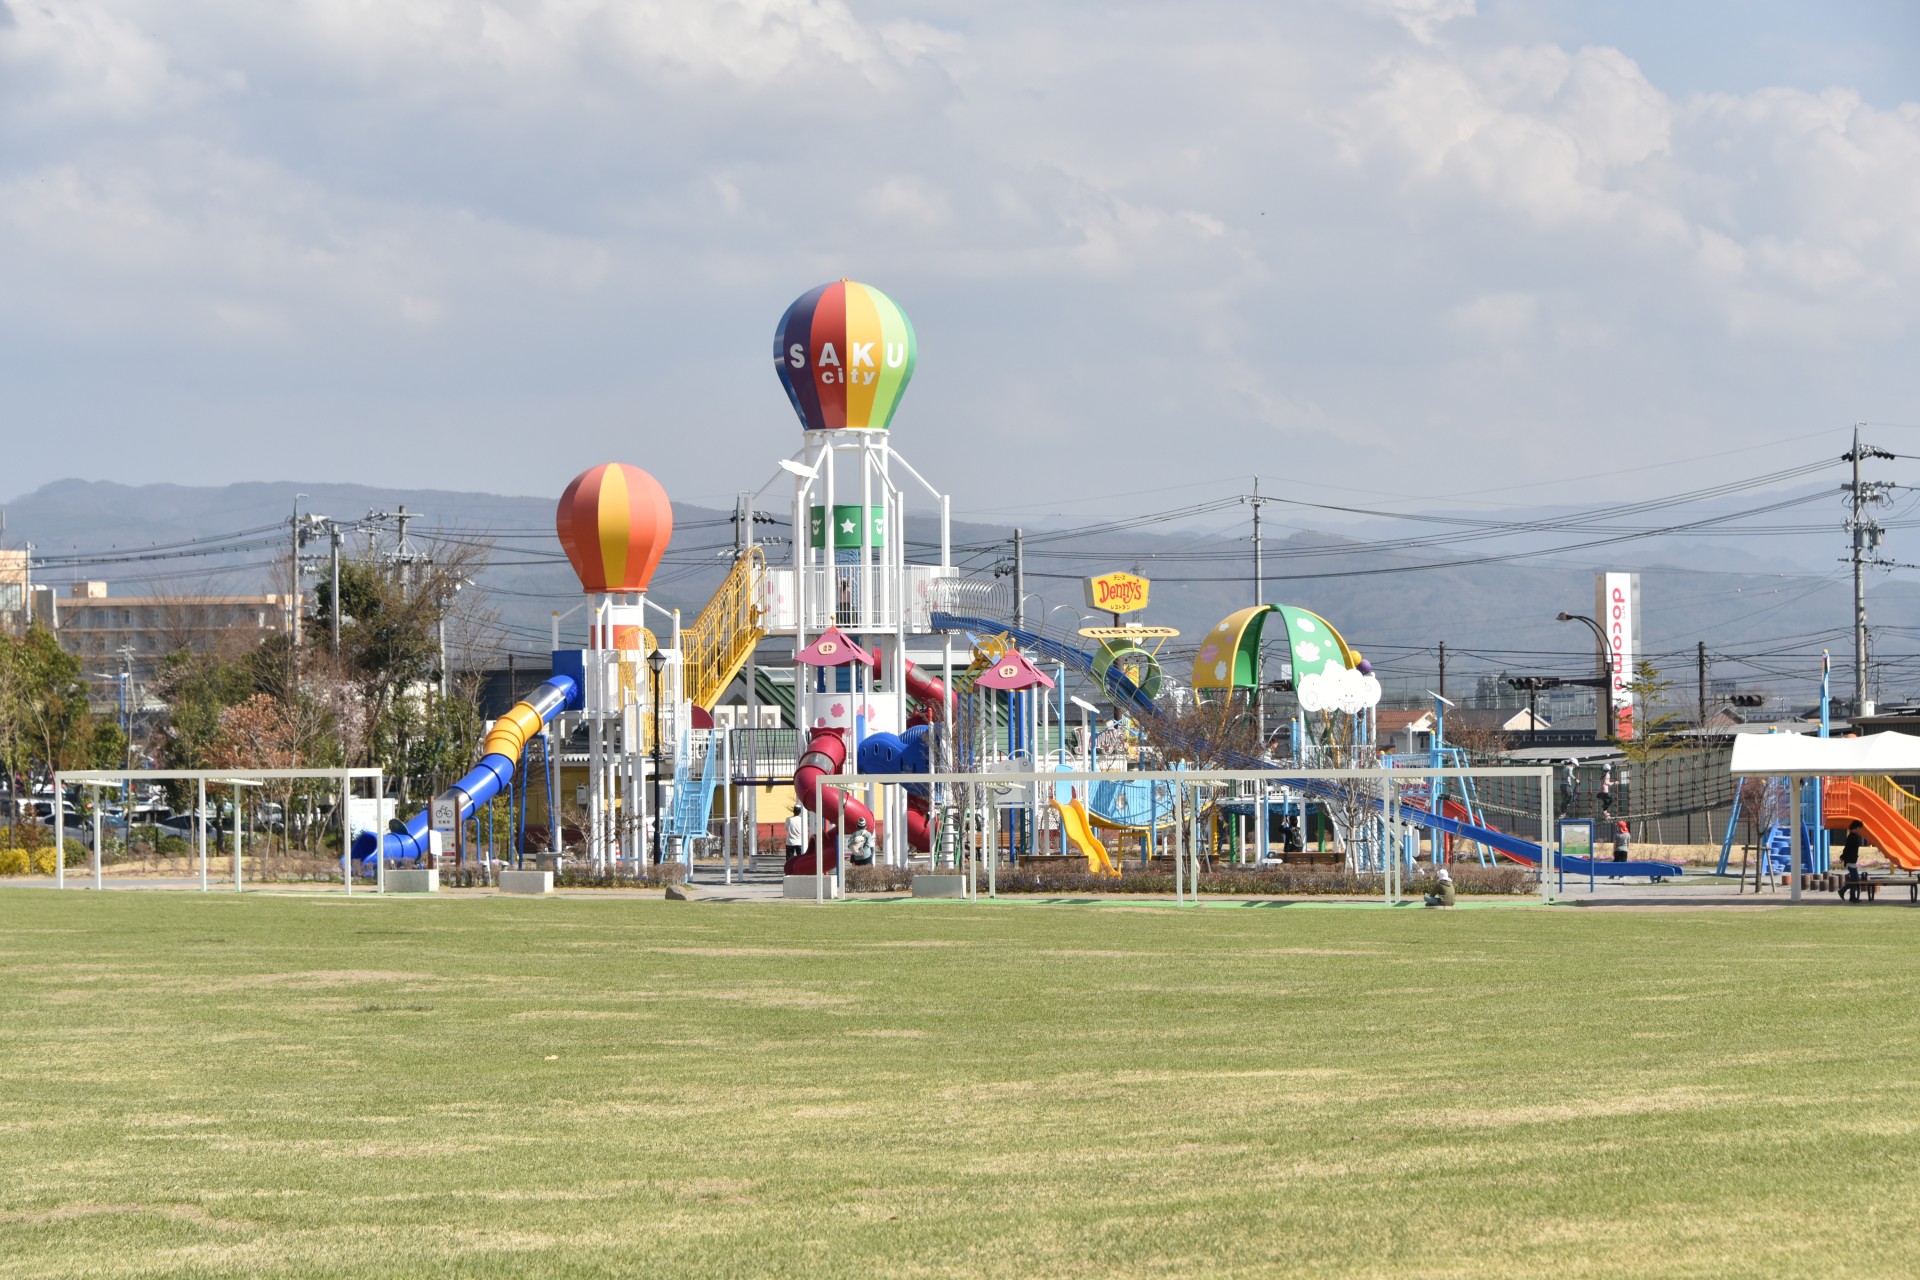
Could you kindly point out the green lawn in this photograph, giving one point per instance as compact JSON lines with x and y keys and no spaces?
{"x":301,"y":1085}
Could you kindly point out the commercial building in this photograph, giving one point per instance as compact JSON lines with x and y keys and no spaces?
{"x":137,"y":633}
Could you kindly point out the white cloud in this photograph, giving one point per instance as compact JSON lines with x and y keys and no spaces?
{"x":1502,"y":319}
{"x":1384,"y":226}
{"x":1423,"y":18}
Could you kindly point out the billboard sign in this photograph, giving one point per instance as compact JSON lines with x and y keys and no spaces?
{"x":1117,"y":593}
{"x":1617,"y":605}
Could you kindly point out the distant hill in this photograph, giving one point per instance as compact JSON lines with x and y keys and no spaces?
{"x":1493,"y":616}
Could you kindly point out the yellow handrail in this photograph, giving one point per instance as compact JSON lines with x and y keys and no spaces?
{"x":1896,"y":795}
{"x":720,"y":640}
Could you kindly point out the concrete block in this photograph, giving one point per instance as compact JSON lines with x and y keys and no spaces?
{"x":526,"y":882}
{"x":939,"y":886}
{"x":427,"y":881}
{"x":803,"y":887}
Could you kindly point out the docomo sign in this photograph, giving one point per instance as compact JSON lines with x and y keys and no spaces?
{"x":1117,"y":593}
{"x":1617,"y":602}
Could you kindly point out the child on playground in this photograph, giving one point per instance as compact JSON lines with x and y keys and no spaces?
{"x":1443,"y":894}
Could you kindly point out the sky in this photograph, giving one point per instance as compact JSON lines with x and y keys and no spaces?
{"x":1410,"y":248}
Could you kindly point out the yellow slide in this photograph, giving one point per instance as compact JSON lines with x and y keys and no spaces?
{"x":1075,"y":822}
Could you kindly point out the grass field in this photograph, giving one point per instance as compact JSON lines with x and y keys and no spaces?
{"x":297,"y":1085}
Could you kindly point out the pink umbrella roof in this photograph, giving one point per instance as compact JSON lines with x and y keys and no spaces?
{"x":1013,"y":671}
{"x":832,"y":649}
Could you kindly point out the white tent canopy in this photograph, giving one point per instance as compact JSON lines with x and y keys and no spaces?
{"x":1796,"y":755}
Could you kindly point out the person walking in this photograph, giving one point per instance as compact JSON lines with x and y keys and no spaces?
{"x":1622,"y":841}
{"x":796,"y":832}
{"x":1850,"y":851}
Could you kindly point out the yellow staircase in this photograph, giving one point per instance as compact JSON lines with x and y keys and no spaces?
{"x":1896,"y":795}
{"x":720,"y":640}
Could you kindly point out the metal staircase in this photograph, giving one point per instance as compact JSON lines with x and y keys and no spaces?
{"x":720,"y":640}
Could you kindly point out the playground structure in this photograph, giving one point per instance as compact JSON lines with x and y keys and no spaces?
{"x":846,"y":603}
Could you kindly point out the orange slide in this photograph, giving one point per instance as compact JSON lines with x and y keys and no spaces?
{"x":1844,"y":801}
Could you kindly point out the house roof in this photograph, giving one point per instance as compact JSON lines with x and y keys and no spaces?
{"x":1390,"y":724}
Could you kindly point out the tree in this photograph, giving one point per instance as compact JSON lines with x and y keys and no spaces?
{"x":390,"y":660}
{"x":197,"y":688}
{"x":47,"y":700}
{"x":1654,"y":736}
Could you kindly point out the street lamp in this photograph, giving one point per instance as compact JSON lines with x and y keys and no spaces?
{"x":657,"y":662}
{"x":1605,"y":670}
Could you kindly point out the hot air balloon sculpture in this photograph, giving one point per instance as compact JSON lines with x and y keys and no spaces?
{"x":845,"y":354}
{"x":614,"y":522}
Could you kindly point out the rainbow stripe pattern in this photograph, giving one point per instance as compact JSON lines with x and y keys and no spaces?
{"x":614,"y":523}
{"x":845,"y":354}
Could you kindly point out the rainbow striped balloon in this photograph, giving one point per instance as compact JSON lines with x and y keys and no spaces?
{"x":614,"y":523}
{"x":845,"y":354}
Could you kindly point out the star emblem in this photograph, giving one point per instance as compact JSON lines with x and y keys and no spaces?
{"x":846,"y":526}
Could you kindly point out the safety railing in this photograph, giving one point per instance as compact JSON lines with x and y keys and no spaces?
{"x":721,"y":638}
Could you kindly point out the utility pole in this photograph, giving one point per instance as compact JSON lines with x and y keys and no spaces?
{"x":1700,"y":657}
{"x":1020,"y":578}
{"x":741,"y":515}
{"x":1443,"y":668}
{"x":406,"y":555}
{"x":1259,"y":598}
{"x":1866,"y":533}
{"x":333,"y":531}
{"x":297,"y":593}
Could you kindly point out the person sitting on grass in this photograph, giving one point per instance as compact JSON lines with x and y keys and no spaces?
{"x":1443,"y":894}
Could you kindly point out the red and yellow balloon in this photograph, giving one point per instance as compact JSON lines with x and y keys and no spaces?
{"x":614,"y":523}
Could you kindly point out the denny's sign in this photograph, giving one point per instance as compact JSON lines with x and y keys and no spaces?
{"x":1117,"y":593}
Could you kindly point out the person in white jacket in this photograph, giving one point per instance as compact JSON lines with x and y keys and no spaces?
{"x":796,"y":832}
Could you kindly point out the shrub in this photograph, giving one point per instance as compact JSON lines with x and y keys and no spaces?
{"x":878,"y":878}
{"x":1252,"y":882}
{"x":583,"y":876}
{"x":28,"y":850}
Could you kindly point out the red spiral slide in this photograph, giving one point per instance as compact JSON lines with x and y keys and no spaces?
{"x":826,"y":754}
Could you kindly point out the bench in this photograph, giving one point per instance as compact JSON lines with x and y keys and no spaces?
{"x":1850,"y":890}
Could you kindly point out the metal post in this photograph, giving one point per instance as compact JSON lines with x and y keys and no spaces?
{"x":60,"y":835}
{"x":1387,"y":858}
{"x":60,"y":854}
{"x":819,"y":844}
{"x":346,"y":842}
{"x":238,"y":822}
{"x":1549,"y":854}
{"x":1798,"y":864}
{"x":379,"y":853}
{"x":1179,"y":888}
{"x":993,"y":847}
{"x":200,"y":828}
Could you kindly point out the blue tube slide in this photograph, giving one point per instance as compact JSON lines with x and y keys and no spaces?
{"x":505,"y":743}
